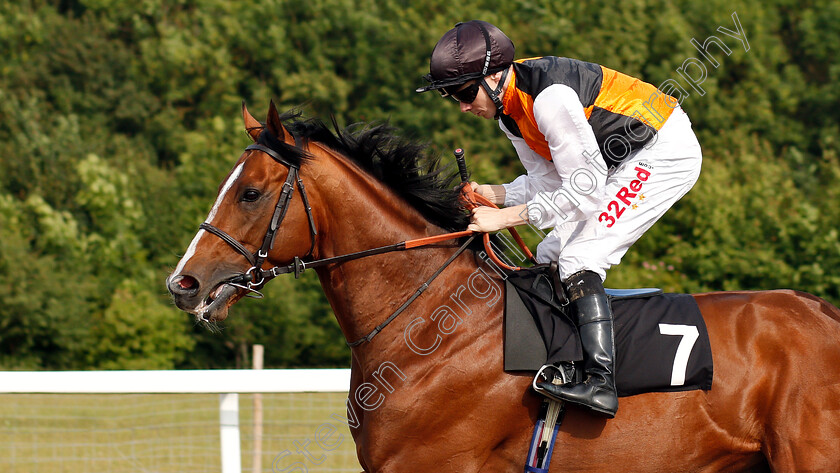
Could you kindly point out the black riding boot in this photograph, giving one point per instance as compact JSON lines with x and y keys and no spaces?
{"x":595,"y":321}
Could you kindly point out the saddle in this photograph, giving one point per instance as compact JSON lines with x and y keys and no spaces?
{"x":661,"y":339}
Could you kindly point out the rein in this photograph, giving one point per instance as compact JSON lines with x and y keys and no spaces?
{"x":256,"y":277}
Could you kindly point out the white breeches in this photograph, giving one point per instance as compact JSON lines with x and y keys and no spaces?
{"x":639,"y":191}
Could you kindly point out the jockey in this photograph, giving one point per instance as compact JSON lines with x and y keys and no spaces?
{"x":605,"y":155}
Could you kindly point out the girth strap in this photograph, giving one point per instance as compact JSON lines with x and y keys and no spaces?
{"x":545,"y":435}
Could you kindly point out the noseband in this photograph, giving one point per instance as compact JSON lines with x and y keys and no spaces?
{"x":256,"y":277}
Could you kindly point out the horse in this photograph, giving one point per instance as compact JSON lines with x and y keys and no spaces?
{"x":429,"y":393}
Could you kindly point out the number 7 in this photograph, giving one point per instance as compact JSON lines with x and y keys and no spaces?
{"x":689,"y":334}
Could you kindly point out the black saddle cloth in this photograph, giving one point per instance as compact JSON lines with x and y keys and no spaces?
{"x":661,"y":340}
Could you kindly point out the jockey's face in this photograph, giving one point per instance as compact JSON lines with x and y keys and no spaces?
{"x":483,"y":105}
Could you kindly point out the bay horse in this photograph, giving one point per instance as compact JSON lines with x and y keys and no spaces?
{"x":429,"y":393}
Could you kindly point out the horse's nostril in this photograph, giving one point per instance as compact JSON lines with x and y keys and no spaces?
{"x":187,"y":282}
{"x":183,"y":285}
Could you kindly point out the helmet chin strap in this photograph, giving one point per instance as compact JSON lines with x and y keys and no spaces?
{"x":495,"y":94}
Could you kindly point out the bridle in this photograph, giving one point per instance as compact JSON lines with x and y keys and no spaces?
{"x":256,"y":277}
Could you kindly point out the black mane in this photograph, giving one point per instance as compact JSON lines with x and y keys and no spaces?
{"x":405,"y":166}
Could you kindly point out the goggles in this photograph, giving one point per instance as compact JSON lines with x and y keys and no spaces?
{"x":465,"y":95}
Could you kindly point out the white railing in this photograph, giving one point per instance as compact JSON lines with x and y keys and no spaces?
{"x":228,"y":383}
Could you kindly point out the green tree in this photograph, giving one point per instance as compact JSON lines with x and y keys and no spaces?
{"x":137,"y":331}
{"x":118,"y":120}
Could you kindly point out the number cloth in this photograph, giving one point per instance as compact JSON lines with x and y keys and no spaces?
{"x":661,"y":341}
{"x":662,"y":345}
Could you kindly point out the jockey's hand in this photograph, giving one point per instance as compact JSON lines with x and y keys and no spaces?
{"x":487,"y":219}
{"x":495,"y":194}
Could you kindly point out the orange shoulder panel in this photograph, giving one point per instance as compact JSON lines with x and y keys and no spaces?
{"x":520,"y":106}
{"x":631,"y":97}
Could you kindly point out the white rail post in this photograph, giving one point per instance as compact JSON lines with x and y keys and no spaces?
{"x":257,"y":357}
{"x":229,"y":430}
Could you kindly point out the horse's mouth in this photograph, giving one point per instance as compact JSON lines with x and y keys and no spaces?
{"x":214,"y":308}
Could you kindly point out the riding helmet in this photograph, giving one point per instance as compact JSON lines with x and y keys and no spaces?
{"x":468,"y":51}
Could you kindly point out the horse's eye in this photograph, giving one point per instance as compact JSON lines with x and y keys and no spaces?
{"x":250,"y":195}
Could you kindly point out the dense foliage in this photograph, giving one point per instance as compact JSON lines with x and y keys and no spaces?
{"x":119,"y":119}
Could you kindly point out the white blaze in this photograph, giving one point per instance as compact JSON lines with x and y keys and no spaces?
{"x":191,"y":250}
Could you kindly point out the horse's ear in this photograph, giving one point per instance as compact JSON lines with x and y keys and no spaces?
{"x":273,"y":122}
{"x":252,"y":126}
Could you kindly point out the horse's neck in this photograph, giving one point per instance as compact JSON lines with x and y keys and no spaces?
{"x":364,"y":214}
{"x":357,"y":212}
